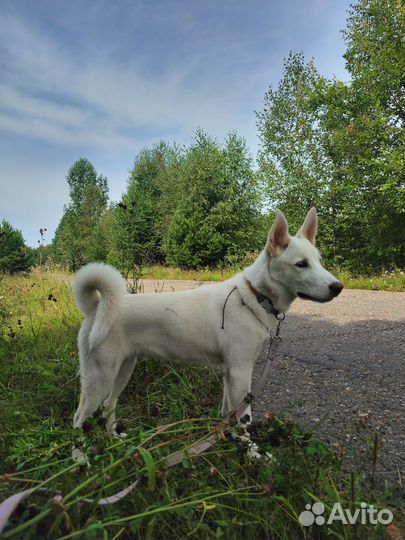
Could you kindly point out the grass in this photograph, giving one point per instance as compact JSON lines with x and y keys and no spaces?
{"x":169,"y":272}
{"x":218,"y":494}
{"x":386,"y":281}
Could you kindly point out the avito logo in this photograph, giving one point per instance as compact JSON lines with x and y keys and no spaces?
{"x":365,"y":514}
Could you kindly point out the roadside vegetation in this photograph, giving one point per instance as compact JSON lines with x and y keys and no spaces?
{"x":218,"y":494}
{"x":386,"y":281}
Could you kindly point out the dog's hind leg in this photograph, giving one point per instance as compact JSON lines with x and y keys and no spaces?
{"x":119,"y":384}
{"x":97,"y":380}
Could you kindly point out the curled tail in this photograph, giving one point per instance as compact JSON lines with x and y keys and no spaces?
{"x":98,"y":289}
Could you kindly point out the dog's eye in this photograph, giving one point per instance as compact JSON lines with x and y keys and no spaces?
{"x":302,"y":264}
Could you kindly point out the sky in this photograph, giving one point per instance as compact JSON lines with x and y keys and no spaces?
{"x":102,"y":79}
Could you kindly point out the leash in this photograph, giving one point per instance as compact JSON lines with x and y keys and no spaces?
{"x":224,"y":306}
{"x":274,"y":343}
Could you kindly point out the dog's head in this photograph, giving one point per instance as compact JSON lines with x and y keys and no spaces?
{"x":296,"y":263}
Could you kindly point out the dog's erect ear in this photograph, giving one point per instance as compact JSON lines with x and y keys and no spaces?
{"x":279,"y":237}
{"x":309,"y":227}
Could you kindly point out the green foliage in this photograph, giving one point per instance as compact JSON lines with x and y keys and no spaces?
{"x":64,"y":242}
{"x":375,"y":53}
{"x":138,"y":217}
{"x":43,"y":255}
{"x":90,"y":227}
{"x":341,"y":147}
{"x":366,"y":142}
{"x":15,"y":256}
{"x":100,"y":245}
{"x":81,"y":175}
{"x":192,"y":207}
{"x":79,"y":238}
{"x":217,"y":216}
{"x":294,"y":166}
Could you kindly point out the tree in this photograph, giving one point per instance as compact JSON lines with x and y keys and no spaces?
{"x":375,"y":55}
{"x":15,"y":256}
{"x":137,"y":218}
{"x":294,"y":167}
{"x":81,"y":175}
{"x":217,"y":214}
{"x":78,"y":239}
{"x":366,"y":138}
{"x":65,"y":245}
{"x":341,"y":147}
{"x":91,"y":211}
{"x":101,"y":246}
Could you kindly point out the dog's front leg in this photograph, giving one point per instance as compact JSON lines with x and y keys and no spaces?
{"x":237,"y":384}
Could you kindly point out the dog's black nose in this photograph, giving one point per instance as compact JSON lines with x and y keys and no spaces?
{"x":336,"y":288}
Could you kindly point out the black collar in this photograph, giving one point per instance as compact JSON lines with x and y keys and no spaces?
{"x":265,"y":302}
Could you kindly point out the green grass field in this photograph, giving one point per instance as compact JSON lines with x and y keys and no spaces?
{"x":218,"y":494}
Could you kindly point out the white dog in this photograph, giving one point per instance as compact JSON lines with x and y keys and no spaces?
{"x":226,"y":324}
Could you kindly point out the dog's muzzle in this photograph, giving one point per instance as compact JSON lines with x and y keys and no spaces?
{"x":335,"y":289}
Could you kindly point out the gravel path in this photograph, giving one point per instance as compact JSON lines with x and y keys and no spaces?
{"x":341,"y":372}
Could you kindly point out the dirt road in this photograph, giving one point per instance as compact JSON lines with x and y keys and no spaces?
{"x":341,"y":371}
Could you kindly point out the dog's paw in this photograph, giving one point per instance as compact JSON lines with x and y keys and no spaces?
{"x":253,"y":453}
{"x":250,"y":447}
{"x":117,"y":431}
{"x":118,"y":435}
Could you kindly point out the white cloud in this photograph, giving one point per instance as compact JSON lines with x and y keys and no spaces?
{"x":107,"y":99}
{"x":48,"y":95}
{"x":104,"y":100}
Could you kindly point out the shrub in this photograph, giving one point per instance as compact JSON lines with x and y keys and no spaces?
{"x":15,"y":256}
